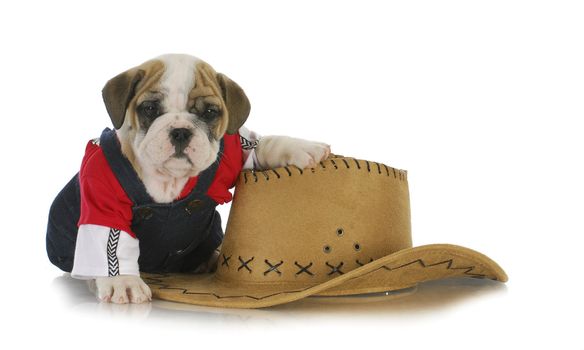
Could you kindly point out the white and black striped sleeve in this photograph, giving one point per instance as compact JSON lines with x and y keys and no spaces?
{"x":249,"y":141}
{"x":103,"y":251}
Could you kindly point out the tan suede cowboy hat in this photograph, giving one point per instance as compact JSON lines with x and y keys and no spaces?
{"x":342,"y":228}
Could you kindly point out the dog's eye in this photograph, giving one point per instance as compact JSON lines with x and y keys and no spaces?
{"x":211,"y":112}
{"x":149,"y":109}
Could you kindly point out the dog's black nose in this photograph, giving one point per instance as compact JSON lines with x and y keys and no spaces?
{"x":180,"y":135}
{"x":180,"y":138}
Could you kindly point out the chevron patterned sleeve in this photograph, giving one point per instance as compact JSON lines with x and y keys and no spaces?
{"x":103,"y":251}
{"x":249,"y":141}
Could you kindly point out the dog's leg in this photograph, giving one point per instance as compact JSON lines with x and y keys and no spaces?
{"x":210,"y":265}
{"x":279,"y":151}
{"x":122,"y":289}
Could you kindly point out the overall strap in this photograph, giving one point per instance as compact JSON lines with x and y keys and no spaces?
{"x":206,"y":177}
{"x":122,"y":168}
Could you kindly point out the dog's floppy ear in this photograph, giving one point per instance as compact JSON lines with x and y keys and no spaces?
{"x":237,"y":103}
{"x":118,"y":92}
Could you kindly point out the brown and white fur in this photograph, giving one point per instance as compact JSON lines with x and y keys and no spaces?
{"x":170,"y":114}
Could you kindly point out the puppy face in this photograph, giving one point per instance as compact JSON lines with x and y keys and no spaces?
{"x":171,"y":113}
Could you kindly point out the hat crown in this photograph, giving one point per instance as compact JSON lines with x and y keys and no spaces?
{"x":304,"y":227}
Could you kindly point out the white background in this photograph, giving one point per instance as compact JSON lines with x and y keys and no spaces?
{"x":481,"y":101}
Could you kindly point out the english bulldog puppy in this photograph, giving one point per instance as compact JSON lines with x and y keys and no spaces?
{"x":145,"y":196}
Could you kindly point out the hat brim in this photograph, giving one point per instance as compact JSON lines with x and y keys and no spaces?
{"x":399,"y":270}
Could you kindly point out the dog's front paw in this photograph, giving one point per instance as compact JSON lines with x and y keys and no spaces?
{"x":278,"y":151}
{"x":122,"y":290}
{"x":307,"y":154}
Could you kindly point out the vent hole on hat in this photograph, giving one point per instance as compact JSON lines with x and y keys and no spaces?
{"x":340,"y":231}
{"x":327,"y":249}
{"x":357,"y":246}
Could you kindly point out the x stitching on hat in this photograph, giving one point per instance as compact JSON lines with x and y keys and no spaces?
{"x":335,"y":268}
{"x":303,"y":269}
{"x":362,"y":264}
{"x":226,"y":260}
{"x":244,"y":263}
{"x":273,"y":267}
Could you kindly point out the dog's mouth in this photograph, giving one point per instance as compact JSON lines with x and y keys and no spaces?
{"x":179,"y":158}
{"x":178,"y":165}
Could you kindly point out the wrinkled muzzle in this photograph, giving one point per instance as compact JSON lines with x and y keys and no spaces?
{"x":177,"y":144}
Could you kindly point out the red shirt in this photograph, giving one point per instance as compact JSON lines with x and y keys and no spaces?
{"x":104,"y":202}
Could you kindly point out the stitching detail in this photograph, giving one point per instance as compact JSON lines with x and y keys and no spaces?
{"x":467,"y":271}
{"x":303,"y":268}
{"x":225,"y":260}
{"x":245,"y":263}
{"x":335,"y":269}
{"x":161,"y":285}
{"x":113,"y":264}
{"x":330,"y":163}
{"x":363,"y":264}
{"x":273,"y":267}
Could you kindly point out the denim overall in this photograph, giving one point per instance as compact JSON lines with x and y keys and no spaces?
{"x":173,"y":237}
